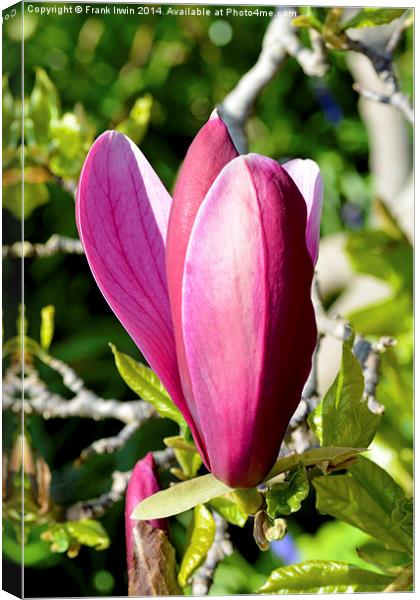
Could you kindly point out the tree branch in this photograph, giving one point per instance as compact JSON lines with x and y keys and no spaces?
{"x":56,"y":244}
{"x":280,"y":40}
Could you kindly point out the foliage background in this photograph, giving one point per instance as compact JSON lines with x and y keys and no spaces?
{"x":105,"y":63}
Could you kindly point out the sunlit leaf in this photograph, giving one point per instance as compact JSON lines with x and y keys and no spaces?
{"x":403,"y":515}
{"x":35,"y":194}
{"x":321,"y":576}
{"x":382,"y":558}
{"x":229,"y":510}
{"x":342,"y":497}
{"x":47,"y":326}
{"x":89,"y":533}
{"x":286,"y":497}
{"x":147,"y":385}
{"x":135,"y":126}
{"x":203,"y":529}
{"x":371,"y":17}
{"x":43,"y":105}
{"x":343,"y":418}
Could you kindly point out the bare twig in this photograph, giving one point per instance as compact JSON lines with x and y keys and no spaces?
{"x":39,"y":399}
{"x":96,"y":507}
{"x":279,"y":41}
{"x":222,"y":546}
{"x":110,"y":444}
{"x":382,"y":62}
{"x":335,"y":326}
{"x":56,"y":244}
{"x":368,"y":354}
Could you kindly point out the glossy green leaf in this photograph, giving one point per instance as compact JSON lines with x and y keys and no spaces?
{"x":371,"y":17}
{"x":229,"y":510}
{"x":342,"y":497}
{"x":307,"y":21}
{"x":180,"y":497}
{"x":202,"y":532}
{"x":89,"y":533}
{"x":382,"y":558}
{"x":391,"y":317}
{"x":47,"y":326}
{"x":343,"y":417}
{"x":322,"y":576}
{"x":286,"y":497}
{"x":147,"y":385}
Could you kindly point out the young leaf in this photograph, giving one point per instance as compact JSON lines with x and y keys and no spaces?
{"x":34,"y":195}
{"x":89,"y":533}
{"x":180,"y":497}
{"x":229,"y":510}
{"x":135,"y":126}
{"x":402,"y":515}
{"x":47,"y":326}
{"x":322,"y":576}
{"x":43,"y":106}
{"x":147,"y":385}
{"x":342,"y":497}
{"x":203,"y":529}
{"x":371,"y":17}
{"x":285,"y":497}
{"x":343,"y":418}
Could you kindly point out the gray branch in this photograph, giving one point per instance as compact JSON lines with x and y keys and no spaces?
{"x":56,"y":244}
{"x":110,"y":444}
{"x":280,"y":40}
{"x":222,"y":546}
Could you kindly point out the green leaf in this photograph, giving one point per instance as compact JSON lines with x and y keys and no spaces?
{"x":89,"y":533}
{"x":343,"y":418}
{"x":382,"y":558}
{"x":322,"y":576}
{"x":59,"y":537}
{"x":203,"y":529}
{"x":380,"y":486}
{"x":380,"y":254}
{"x":307,"y":21}
{"x":147,"y":385}
{"x":186,"y":455}
{"x":47,"y":326}
{"x":342,"y":497}
{"x":135,"y":126}
{"x":371,"y":17}
{"x":286,"y":497}
{"x":402,"y":515}
{"x":43,"y":105}
{"x":180,"y":497}
{"x":327,"y":459}
{"x":35,"y":194}
{"x":229,"y":509}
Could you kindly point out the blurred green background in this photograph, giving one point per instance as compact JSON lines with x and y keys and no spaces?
{"x":158,"y":78}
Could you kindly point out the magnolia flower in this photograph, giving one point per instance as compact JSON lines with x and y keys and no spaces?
{"x":142,"y":484}
{"x":214,"y":286}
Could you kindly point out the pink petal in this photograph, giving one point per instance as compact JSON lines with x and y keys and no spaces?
{"x":248,"y":322}
{"x":307,"y":177}
{"x":210,"y":151}
{"x":142,"y":484}
{"x":122,"y":215}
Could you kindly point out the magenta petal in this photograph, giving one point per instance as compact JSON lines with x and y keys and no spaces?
{"x":248,"y":321}
{"x":210,"y":151}
{"x":307,"y":177}
{"x":122,"y":214}
{"x":142,"y":484}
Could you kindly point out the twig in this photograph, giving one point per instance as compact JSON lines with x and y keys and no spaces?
{"x":110,"y":444}
{"x":222,"y":546}
{"x":368,"y":355}
{"x":382,"y":62}
{"x":56,"y":244}
{"x":96,"y":507}
{"x":279,"y":41}
{"x":335,"y":326}
{"x":39,"y":399}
